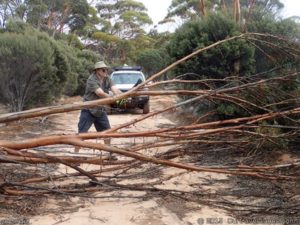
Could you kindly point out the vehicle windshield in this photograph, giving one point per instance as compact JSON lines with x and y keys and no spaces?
{"x":126,"y":78}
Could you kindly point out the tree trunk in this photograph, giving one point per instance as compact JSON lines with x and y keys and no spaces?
{"x":237,"y":11}
{"x":202,"y":7}
{"x":50,"y":20}
{"x":66,"y":13}
{"x":223,"y":5}
{"x":252,"y":3}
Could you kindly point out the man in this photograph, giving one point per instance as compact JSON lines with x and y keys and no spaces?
{"x":97,"y":87}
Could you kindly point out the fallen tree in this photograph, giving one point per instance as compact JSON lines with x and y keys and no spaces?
{"x":264,"y":126}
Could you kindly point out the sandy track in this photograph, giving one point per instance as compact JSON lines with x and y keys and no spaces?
{"x":123,"y":206}
{"x":126,"y":207}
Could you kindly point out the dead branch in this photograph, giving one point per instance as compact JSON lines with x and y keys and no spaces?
{"x":175,"y":146}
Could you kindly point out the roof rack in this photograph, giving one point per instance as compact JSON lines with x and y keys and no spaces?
{"x":125,"y":67}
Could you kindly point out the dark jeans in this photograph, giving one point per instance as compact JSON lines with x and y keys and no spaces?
{"x":86,"y":120}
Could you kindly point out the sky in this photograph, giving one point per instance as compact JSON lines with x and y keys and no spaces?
{"x":290,"y":7}
{"x":157,"y":9}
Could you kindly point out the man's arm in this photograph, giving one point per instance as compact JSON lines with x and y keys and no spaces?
{"x":101,"y":93}
{"x":116,"y":90}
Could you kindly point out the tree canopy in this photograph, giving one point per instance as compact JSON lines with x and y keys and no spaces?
{"x":77,"y":33}
{"x":124,"y":18}
{"x":229,"y":59}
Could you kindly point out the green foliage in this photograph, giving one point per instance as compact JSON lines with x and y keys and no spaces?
{"x":49,"y":14}
{"x":286,"y":27}
{"x":185,"y":9}
{"x":227,"y":110}
{"x":91,"y":21}
{"x":74,"y":41}
{"x":124,"y":18}
{"x":275,"y":138}
{"x":263,"y":9}
{"x":79,"y":14}
{"x":86,"y":60}
{"x":152,"y":61}
{"x":36,"y":10}
{"x":139,"y":44}
{"x":17,"y":27}
{"x":239,"y":59}
{"x":26,"y":70}
{"x":105,"y":37}
{"x":218,"y":62}
{"x":269,"y":56}
{"x":121,"y":36}
{"x":189,"y":9}
{"x":234,"y":58}
{"x":70,"y":66}
{"x":73,"y":67}
{"x":10,"y":9}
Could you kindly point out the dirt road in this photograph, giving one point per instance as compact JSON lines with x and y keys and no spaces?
{"x":118,"y":206}
{"x":130,"y":207}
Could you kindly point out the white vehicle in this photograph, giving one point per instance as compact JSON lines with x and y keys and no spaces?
{"x":125,"y":78}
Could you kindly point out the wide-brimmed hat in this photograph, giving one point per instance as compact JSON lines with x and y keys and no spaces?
{"x":99,"y":65}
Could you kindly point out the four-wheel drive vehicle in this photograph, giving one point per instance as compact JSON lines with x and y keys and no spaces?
{"x":125,"y":78}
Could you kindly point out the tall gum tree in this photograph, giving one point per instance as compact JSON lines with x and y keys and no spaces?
{"x":125,"y":18}
{"x":51,"y":14}
{"x":240,"y":10}
{"x":121,"y":23}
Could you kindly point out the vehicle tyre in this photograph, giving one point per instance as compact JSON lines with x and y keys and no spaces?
{"x":146,"y":108}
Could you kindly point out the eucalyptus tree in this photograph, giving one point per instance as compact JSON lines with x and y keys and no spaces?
{"x":90,"y":27}
{"x":240,"y":10}
{"x":47,"y":14}
{"x":187,"y":9}
{"x":26,"y":69}
{"x":56,"y":14}
{"x":121,"y":25}
{"x":36,"y":68}
{"x":11,"y":9}
{"x":123,"y":18}
{"x":233,"y":58}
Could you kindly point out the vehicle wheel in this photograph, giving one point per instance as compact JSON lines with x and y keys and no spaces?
{"x":146,"y":108}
